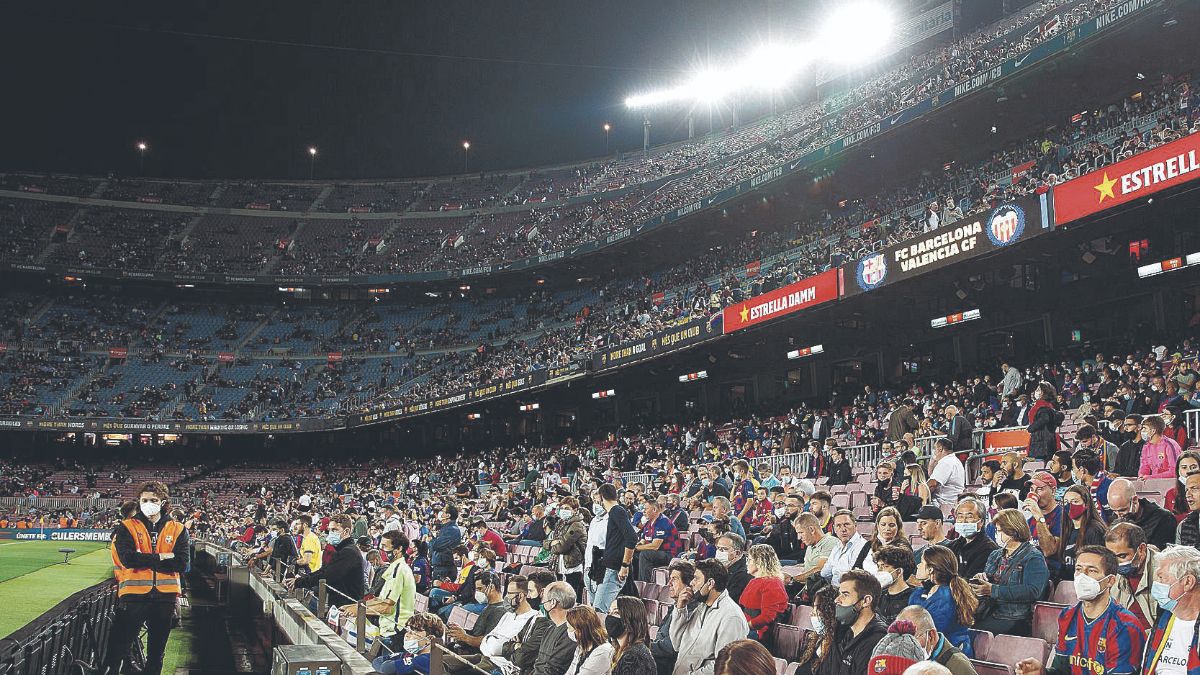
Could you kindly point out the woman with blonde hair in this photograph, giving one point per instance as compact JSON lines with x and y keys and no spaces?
{"x":914,"y":491}
{"x":946,"y":596}
{"x":764,"y":599}
{"x":593,"y":652}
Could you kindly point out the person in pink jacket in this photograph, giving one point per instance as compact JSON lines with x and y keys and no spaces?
{"x":1159,"y":453}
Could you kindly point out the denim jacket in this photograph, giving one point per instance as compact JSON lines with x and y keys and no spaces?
{"x":1017,"y":582}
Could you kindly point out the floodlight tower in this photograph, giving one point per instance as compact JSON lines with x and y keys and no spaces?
{"x":646,"y":135}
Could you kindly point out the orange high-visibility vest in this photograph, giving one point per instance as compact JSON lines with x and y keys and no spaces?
{"x":141,"y":580}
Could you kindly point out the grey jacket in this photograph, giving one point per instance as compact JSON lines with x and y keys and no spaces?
{"x":570,"y":537}
{"x":699,"y":632}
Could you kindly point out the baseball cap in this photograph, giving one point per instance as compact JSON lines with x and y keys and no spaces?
{"x":930,"y":512}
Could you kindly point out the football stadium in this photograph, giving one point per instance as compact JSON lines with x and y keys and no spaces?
{"x":754,"y":337}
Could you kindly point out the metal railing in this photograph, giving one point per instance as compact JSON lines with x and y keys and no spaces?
{"x":72,"y":636}
{"x":76,"y":504}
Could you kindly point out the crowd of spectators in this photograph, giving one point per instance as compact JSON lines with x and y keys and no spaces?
{"x":690,"y":170}
{"x":769,"y":529}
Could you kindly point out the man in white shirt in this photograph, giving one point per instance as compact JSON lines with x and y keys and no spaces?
{"x":845,"y":553}
{"x":949,"y":476}
{"x":597,"y":533}
{"x":391,"y":519}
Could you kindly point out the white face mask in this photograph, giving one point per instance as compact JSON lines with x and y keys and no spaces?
{"x":817,"y":626}
{"x":1086,"y":587}
{"x":412,"y":646}
{"x":481,"y":597}
{"x":1001,"y":539}
{"x":151,"y":509}
{"x":885,"y":578}
{"x":722,"y":557}
{"x":472,"y":556}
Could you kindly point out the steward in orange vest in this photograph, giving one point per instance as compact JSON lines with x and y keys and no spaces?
{"x":149,"y":552}
{"x":137,"y":565}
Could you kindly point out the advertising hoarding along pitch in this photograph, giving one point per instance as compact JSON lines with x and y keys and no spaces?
{"x":782,"y":301}
{"x":1003,"y":226}
{"x":1139,"y":176}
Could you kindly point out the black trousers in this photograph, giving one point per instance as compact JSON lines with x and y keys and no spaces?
{"x":157,"y":616}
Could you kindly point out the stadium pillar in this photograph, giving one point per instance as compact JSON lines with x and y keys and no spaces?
{"x":646,"y":136}
{"x":958,"y":358}
{"x":691,"y":126}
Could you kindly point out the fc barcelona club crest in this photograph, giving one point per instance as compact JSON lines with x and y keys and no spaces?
{"x":872,"y":271}
{"x":1006,"y":224}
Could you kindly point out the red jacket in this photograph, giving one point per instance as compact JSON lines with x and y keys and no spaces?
{"x":763,"y":601}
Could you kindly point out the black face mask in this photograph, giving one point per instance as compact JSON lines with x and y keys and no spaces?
{"x":615,"y":626}
{"x":535,"y":603}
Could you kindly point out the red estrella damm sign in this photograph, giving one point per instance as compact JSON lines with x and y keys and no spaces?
{"x":1139,"y":176}
{"x":781,"y":301}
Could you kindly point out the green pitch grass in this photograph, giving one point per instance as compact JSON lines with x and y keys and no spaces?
{"x":33,"y":578}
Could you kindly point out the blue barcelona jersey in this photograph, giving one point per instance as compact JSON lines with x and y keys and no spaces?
{"x":1111,"y":644}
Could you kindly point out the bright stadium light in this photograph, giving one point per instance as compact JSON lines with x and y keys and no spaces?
{"x":651,"y":99}
{"x":856,"y":32}
{"x":772,"y":67}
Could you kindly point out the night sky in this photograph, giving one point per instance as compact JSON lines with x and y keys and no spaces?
{"x":241,"y":89}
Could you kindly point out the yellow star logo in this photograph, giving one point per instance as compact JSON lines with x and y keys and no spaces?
{"x":1105,"y":188}
{"x":744,"y":313}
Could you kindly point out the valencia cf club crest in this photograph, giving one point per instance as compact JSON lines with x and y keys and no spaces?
{"x":1006,"y":224}
{"x":872,"y":271}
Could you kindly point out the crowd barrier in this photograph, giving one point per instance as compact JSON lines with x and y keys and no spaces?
{"x":75,"y":504}
{"x":73,"y":634}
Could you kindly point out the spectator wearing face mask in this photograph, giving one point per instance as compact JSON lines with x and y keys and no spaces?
{"x":972,"y":546}
{"x":1081,"y":528}
{"x":946,"y":596}
{"x":423,"y":629}
{"x":1189,"y":528}
{"x":935,"y":645}
{"x":1014,"y":578}
{"x":1043,"y":422}
{"x":568,"y":543}
{"x":1129,"y":456}
{"x":449,"y":537}
{"x":895,"y":565}
{"x":1173,"y":645}
{"x":498,"y":644}
{"x":344,"y":573}
{"x":1135,"y":571}
{"x":700,"y":631}
{"x":490,"y":597}
{"x":858,"y":629}
{"x":1095,"y":635}
{"x":1160,"y":454}
{"x":1158,"y":523}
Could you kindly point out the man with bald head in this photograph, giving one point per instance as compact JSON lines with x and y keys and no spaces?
{"x":935,"y":644}
{"x":1124,"y":504}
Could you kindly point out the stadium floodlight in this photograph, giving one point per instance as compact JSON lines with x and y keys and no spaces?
{"x":713,"y":85}
{"x":772,"y":67}
{"x":855,"y":32}
{"x":651,"y":99}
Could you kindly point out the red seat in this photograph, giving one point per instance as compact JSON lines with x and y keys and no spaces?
{"x":1064,"y":594}
{"x":1016,"y":649}
{"x":802,"y":616}
{"x":1045,"y":621}
{"x":787,"y":641}
{"x":981,"y":642}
